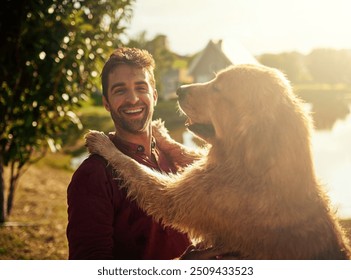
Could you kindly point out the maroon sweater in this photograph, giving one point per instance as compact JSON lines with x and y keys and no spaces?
{"x":104,"y":224}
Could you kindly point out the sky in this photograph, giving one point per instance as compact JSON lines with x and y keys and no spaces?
{"x":261,"y":26}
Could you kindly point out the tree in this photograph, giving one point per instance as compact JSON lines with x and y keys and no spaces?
{"x":52,"y":53}
{"x":291,"y":63}
{"x":330,"y":65}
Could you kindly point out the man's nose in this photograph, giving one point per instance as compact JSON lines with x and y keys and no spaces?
{"x":133,"y":97}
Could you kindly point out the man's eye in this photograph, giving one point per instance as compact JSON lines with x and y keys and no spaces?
{"x":142,"y":89}
{"x":119,"y":91}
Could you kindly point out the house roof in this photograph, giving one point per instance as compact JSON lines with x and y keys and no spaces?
{"x":233,"y":53}
{"x":237,"y":53}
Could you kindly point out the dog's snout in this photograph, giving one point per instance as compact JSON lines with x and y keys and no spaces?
{"x":182,"y":91}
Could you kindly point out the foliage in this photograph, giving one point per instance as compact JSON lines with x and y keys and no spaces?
{"x":319,"y":66}
{"x":292,"y":64}
{"x":330,"y":66}
{"x":52,"y":53}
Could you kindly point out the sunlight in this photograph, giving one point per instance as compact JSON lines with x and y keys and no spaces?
{"x":261,"y":26}
{"x":332,"y":153}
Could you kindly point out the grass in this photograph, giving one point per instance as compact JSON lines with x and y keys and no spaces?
{"x":36,"y":227}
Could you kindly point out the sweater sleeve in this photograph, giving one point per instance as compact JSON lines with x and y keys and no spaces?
{"x":90,"y":212}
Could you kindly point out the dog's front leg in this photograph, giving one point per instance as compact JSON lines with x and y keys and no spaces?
{"x":179,"y":153}
{"x":168,"y":198}
{"x":143,"y":184}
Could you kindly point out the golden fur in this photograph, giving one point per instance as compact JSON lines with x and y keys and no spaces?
{"x":254,"y":192}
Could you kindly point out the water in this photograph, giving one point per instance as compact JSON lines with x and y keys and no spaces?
{"x":332,"y":154}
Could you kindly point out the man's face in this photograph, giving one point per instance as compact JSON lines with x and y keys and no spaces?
{"x":131,"y":99}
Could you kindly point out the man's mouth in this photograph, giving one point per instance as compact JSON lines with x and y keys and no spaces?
{"x":133,"y":111}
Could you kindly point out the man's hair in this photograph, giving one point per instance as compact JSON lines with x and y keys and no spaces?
{"x":129,"y":56}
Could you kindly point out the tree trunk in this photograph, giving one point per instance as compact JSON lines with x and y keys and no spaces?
{"x":2,"y":194}
{"x":15,"y":174}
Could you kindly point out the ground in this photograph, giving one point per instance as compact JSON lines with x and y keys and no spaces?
{"x":37,"y":225}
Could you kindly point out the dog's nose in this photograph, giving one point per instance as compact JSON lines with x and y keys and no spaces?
{"x":182,"y":91}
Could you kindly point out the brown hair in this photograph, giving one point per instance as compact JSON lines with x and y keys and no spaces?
{"x":130,"y":56}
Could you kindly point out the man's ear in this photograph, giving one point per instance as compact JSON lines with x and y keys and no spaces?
{"x":155,"y":96}
{"x":106,"y":104}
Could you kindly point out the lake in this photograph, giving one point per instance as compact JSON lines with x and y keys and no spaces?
{"x":332,"y":154}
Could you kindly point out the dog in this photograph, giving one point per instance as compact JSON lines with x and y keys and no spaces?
{"x":254,"y":191}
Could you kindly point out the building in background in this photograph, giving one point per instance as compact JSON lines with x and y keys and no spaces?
{"x":216,"y":56}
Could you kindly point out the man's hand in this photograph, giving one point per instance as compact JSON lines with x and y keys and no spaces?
{"x":193,"y":253}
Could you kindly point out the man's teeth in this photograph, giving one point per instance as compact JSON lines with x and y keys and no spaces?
{"x":133,"y":111}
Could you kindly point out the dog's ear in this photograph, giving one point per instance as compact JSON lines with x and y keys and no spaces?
{"x":260,"y":149}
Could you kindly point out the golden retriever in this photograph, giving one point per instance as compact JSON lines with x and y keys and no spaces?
{"x":254,"y":192}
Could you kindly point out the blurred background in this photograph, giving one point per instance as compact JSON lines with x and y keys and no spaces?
{"x":52,"y":53}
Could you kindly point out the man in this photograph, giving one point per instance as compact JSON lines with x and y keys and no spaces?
{"x":102,"y":222}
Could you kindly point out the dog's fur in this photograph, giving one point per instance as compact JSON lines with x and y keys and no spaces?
{"x":254,"y":192}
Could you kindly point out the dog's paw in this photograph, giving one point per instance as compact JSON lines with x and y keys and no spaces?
{"x":98,"y":142}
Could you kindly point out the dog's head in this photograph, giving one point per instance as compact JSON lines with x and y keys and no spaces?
{"x":248,"y":104}
{"x":241,"y":94}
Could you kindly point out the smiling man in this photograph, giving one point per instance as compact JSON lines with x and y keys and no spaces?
{"x":130,"y":97}
{"x":102,"y":222}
